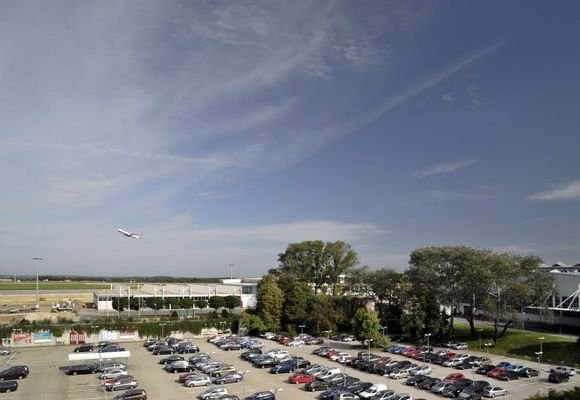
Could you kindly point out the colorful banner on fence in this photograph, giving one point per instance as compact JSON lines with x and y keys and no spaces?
{"x":21,"y":338}
{"x":42,"y":337}
{"x":128,"y":334}
{"x":109,"y":335}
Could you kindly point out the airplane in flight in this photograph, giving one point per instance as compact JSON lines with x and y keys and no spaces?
{"x":129,"y":234}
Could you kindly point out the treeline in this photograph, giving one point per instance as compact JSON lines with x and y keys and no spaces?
{"x":115,"y":279}
{"x":174,"y":303}
{"x":321,"y":286}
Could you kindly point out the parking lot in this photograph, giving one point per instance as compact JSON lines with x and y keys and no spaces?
{"x":48,"y":381}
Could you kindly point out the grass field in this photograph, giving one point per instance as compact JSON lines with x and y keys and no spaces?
{"x":56,"y":285}
{"x":523,"y":344}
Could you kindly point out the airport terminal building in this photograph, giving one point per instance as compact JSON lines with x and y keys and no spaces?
{"x":243,"y":288}
{"x":563,"y":303}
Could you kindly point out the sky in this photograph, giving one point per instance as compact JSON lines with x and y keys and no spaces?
{"x":223,"y":131}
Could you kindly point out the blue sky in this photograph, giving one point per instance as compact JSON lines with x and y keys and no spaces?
{"x":222,"y":131}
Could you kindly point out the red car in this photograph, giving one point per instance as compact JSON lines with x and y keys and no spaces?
{"x":409,"y":351}
{"x":454,"y":377}
{"x":186,"y":376}
{"x":284,"y":340}
{"x":301,"y":378}
{"x":496,"y":372}
{"x":331,"y":353}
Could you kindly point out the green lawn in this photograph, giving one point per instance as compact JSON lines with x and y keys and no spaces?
{"x":56,"y":285}
{"x":523,"y":344}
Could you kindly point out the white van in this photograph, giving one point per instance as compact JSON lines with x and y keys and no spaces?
{"x":329,"y":372}
{"x":373,"y":390}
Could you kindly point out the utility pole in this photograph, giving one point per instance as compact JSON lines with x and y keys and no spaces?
{"x":38,"y":260}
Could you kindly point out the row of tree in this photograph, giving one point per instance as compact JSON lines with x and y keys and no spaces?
{"x":175,"y":303}
{"x":319,"y":286}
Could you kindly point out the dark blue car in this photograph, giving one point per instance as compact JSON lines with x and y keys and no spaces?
{"x":282,"y":368}
{"x":262,"y":396}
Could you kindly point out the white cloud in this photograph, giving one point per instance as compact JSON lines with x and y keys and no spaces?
{"x":448,"y":97}
{"x":449,"y":195}
{"x":444,"y":168}
{"x":565,"y":192}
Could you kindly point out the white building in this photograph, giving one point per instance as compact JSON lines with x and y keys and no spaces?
{"x":563,"y":303}
{"x":244,"y":288}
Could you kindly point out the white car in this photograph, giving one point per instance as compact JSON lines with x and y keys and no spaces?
{"x":4,"y":351}
{"x":421,"y":370}
{"x":399,"y":374}
{"x":200,"y":380}
{"x":113,"y":373}
{"x":460,"y":346}
{"x":493,"y":391}
{"x":213,"y":393}
{"x":336,"y":356}
{"x":344,"y":358}
{"x":295,"y":343}
{"x":269,"y":335}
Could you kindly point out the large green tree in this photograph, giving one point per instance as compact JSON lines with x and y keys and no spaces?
{"x":341,"y":259}
{"x":269,"y":302}
{"x":321,"y":264}
{"x":366,"y":326}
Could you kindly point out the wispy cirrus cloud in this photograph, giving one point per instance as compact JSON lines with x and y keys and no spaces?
{"x":444,"y":168}
{"x":451,"y":195}
{"x":564,"y":192}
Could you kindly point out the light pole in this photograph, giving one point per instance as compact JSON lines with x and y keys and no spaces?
{"x":301,"y":329}
{"x":486,"y":345}
{"x":479,"y":332}
{"x":162,"y":325}
{"x":231,"y":270}
{"x":427,"y":335}
{"x":541,"y":351}
{"x":38,"y":260}
{"x":244,"y":383}
{"x":369,"y":343}
{"x":94,"y":327}
{"x":385,"y":328}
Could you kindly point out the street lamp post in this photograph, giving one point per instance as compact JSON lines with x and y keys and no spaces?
{"x":427,"y":335}
{"x":301,"y":329}
{"x":385,"y":328}
{"x":94,"y":327}
{"x":369,"y":343}
{"x":38,"y":260}
{"x":162,"y":325}
{"x":486,"y":345}
{"x":244,"y":383}
{"x":231,"y":270}
{"x":540,"y":354}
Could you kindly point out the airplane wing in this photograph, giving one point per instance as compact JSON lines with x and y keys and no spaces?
{"x":124,"y":232}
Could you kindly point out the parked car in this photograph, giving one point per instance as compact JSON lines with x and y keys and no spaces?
{"x":178,"y":366}
{"x":84,"y":348}
{"x":484,"y":369}
{"x":163,"y":350}
{"x":528,"y":372}
{"x":494,"y":391}
{"x":453,"y":377}
{"x":8,"y":386}
{"x":564,"y":370}
{"x":170,"y":359}
{"x":267,"y":395}
{"x":14,"y":372}
{"x":558,"y":377}
{"x":316,"y":385}
{"x":496,"y":372}
{"x":509,"y":376}
{"x":4,"y":351}
{"x":121,"y":384}
{"x":81,"y":369}
{"x":132,"y":394}
{"x":102,"y":367}
{"x":113,"y":373}
{"x":229,"y":378}
{"x":198,"y":380}
{"x":282,"y":368}
{"x":301,"y":378}
{"x":213,"y":393}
